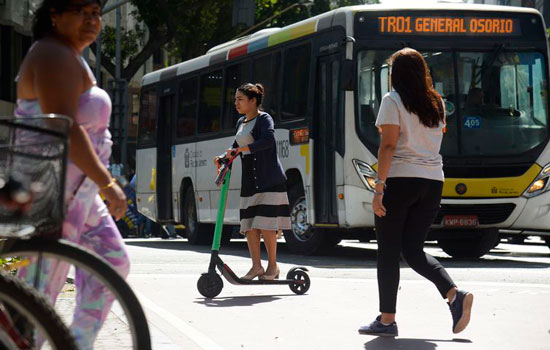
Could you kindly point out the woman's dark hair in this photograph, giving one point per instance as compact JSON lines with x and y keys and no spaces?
{"x":253,"y":90}
{"x":410,"y":77}
{"x":42,"y":21}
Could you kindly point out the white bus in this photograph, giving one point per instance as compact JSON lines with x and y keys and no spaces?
{"x":325,"y":78}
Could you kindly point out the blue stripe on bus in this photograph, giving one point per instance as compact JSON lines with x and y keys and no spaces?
{"x":258,"y":45}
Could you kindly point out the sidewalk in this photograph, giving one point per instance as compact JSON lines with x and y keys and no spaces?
{"x":115,"y":333}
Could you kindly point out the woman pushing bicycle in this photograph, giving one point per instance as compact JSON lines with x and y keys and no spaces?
{"x":54,"y":78}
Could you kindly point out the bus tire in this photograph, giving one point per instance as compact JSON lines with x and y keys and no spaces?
{"x":194,"y":231}
{"x":475,"y":245}
{"x":302,"y":238}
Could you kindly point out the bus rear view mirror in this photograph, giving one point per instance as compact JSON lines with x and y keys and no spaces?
{"x":347,"y":76}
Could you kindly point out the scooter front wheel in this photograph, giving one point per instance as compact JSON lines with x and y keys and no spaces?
{"x":210,"y":284}
{"x":302,"y":283}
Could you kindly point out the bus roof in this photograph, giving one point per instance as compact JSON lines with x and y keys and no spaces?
{"x":342,"y":17}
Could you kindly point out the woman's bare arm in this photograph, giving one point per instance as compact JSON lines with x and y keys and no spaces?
{"x":58,"y":83}
{"x":389,"y":136}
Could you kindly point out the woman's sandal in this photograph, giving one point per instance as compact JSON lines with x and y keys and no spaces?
{"x":253,"y":274}
{"x":271,"y":277}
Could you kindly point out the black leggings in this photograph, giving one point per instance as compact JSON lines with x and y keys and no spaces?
{"x":411,"y":206}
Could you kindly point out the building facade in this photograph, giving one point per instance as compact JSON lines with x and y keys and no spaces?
{"x":15,"y":40}
{"x":542,"y":5}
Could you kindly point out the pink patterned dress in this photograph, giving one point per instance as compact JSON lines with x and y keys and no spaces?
{"x":87,"y":222}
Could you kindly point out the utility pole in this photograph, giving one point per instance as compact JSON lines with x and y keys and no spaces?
{"x":118,"y":87}
{"x":99,"y":42}
{"x":118,"y":115}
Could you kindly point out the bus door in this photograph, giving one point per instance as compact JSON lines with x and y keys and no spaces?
{"x":325,"y":133}
{"x":164,"y":154}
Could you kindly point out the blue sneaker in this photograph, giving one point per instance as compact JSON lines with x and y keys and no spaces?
{"x":377,"y":328}
{"x":461,"y":308}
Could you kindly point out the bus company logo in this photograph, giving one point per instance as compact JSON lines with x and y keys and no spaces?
{"x":186,"y":157}
{"x":494,"y":190}
{"x":461,"y":188}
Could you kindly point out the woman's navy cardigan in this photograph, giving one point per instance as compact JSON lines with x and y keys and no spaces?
{"x":268,"y":171}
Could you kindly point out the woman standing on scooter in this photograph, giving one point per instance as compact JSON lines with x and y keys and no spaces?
{"x":264,"y":208}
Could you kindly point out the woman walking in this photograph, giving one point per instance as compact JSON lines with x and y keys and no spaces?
{"x":54,"y":78}
{"x":264,"y":209}
{"x":408,"y":189}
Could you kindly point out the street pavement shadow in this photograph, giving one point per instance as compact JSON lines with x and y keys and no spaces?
{"x":342,"y":257}
{"x":241,"y":300}
{"x":359,"y":257}
{"x":390,"y":343}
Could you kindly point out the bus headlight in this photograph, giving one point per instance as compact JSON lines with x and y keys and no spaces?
{"x":366,"y":173}
{"x":540,"y":185}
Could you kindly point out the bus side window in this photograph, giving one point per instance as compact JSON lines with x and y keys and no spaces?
{"x":235,"y":76}
{"x":210,"y":102}
{"x":295,"y":82}
{"x":266,"y":71}
{"x":147,"y":119}
{"x":187,"y":111}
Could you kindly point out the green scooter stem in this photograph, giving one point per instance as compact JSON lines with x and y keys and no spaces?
{"x":221,"y":212}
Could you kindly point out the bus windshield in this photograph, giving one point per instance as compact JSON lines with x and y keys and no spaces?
{"x":496,"y":107}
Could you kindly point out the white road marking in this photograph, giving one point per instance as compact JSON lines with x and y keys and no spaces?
{"x":190,"y":332}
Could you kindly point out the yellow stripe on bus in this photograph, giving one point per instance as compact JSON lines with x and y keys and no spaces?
{"x":153,"y":182}
{"x":489,"y":187}
{"x":292,"y":33}
{"x":304,"y":152}
{"x":492,"y":187}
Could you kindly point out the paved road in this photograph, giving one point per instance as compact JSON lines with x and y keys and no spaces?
{"x":511,"y":307}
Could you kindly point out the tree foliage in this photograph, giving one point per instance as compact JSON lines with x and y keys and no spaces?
{"x":268,"y":8}
{"x":130,"y":42}
{"x":188,"y":28}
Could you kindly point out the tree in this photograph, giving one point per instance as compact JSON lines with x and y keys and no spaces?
{"x":165,"y":20}
{"x":268,"y":8}
{"x":188,"y":28}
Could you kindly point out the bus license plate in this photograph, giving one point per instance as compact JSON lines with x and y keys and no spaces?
{"x":460,"y":221}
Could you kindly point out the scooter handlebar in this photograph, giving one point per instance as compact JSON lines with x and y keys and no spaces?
{"x":225,"y":165}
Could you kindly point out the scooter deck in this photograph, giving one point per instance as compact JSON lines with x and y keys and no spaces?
{"x":232,"y":278}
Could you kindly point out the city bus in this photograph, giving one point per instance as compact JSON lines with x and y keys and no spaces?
{"x":325,"y":78}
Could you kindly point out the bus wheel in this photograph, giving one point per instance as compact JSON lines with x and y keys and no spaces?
{"x":189,"y":214}
{"x":302,"y":238}
{"x":475,"y":245}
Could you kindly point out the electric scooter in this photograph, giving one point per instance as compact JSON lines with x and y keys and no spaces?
{"x":210,"y":283}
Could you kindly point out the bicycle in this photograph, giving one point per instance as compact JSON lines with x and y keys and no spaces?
{"x":23,"y":311}
{"x":36,"y":155}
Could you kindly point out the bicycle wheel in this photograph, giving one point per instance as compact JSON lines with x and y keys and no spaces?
{"x":24,"y":313}
{"x":130,"y":328}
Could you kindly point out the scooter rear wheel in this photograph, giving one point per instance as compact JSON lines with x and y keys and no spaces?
{"x":304,"y":281}
{"x":210,"y":284}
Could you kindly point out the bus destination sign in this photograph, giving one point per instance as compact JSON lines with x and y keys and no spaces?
{"x":446,"y":25}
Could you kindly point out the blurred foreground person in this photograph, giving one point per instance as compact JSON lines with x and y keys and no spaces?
{"x":54,"y":78}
